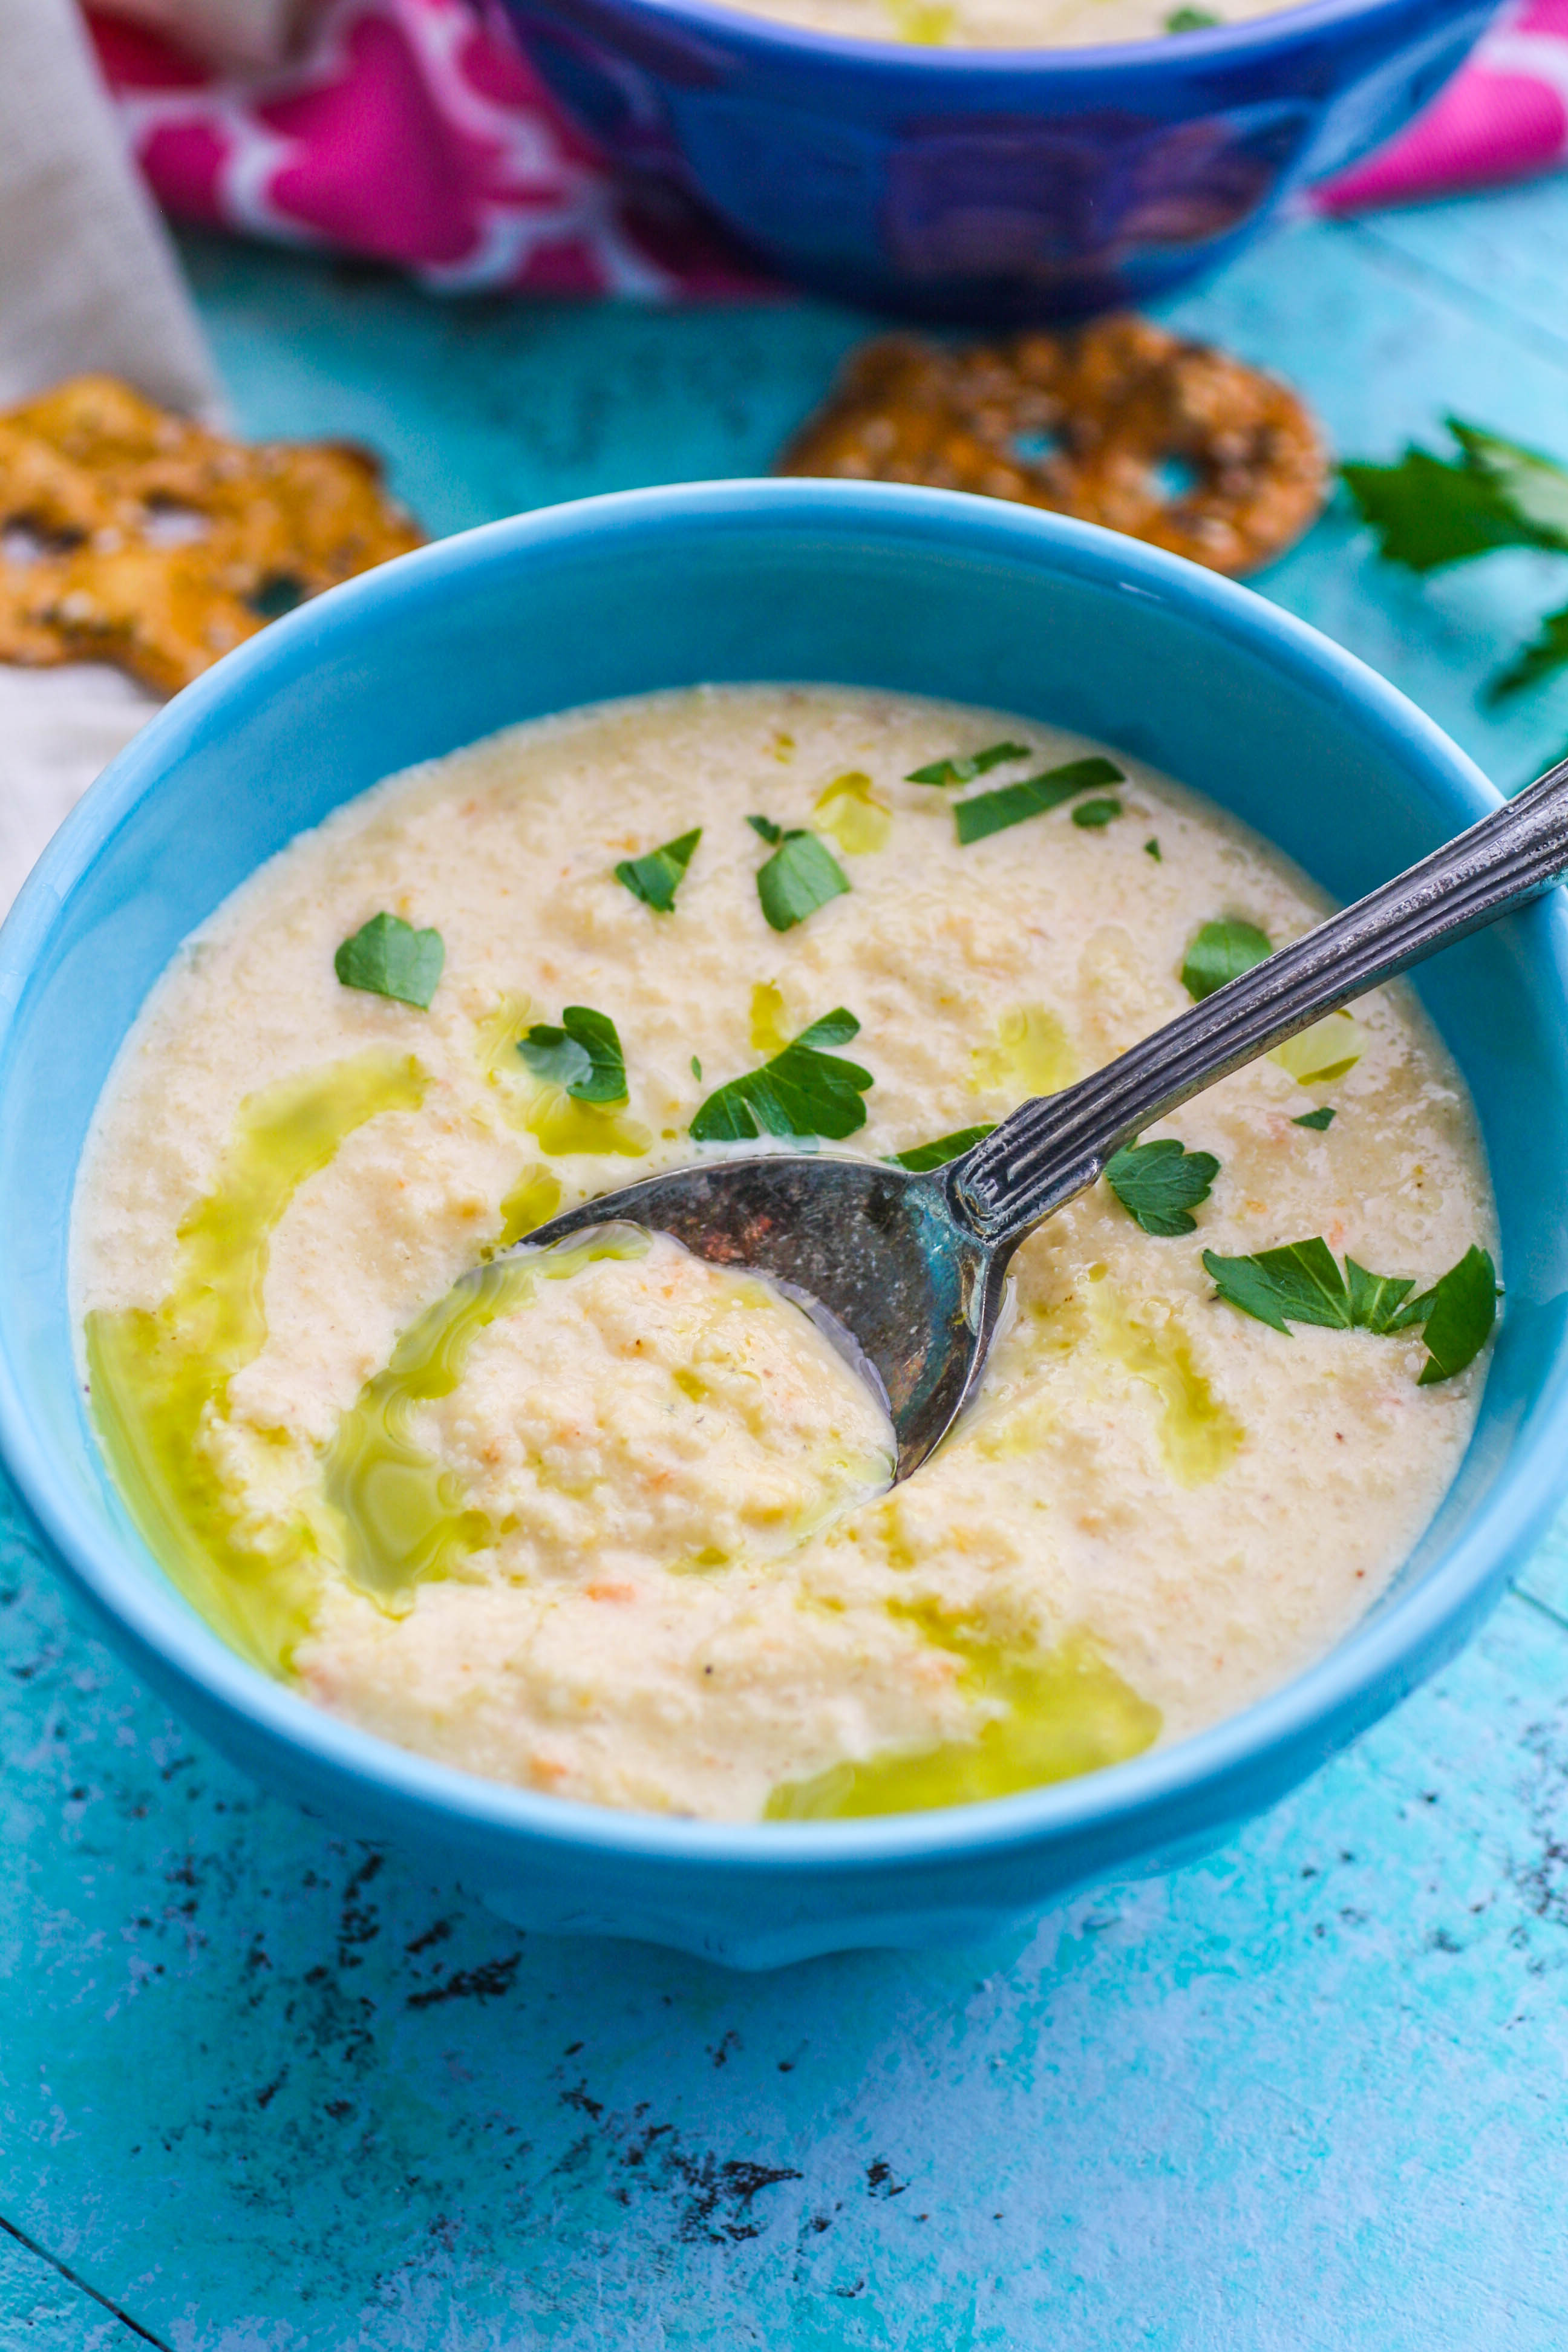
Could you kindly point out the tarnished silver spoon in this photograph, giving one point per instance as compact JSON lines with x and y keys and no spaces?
{"x":913,"y":1267}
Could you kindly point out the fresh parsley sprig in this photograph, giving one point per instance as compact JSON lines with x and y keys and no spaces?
{"x":1009,"y":805}
{"x":964,"y":767}
{"x":803,"y":1090}
{"x":1428,"y":512}
{"x":1301,"y":1282}
{"x":387,"y":957}
{"x":583,"y":1054}
{"x":657,"y":876}
{"x":1160,"y":1183}
{"x":801,"y":875}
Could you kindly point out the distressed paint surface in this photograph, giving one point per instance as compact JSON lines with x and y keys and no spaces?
{"x":262,"y":2090}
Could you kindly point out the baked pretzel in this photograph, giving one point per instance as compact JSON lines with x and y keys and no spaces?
{"x":1119,"y":423}
{"x":133,"y":536}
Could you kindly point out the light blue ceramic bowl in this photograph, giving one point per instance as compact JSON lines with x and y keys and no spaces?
{"x":900,"y":588}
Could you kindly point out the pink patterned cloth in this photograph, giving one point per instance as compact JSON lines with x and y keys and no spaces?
{"x":1503,"y":118}
{"x":414,"y":131}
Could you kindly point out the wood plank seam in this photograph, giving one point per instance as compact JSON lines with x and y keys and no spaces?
{"x":1457,"y":292}
{"x":82,"y":2285}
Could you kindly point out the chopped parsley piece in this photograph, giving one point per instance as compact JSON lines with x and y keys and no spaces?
{"x":1151,"y":849}
{"x":387,"y":957}
{"x":697,"y":1069}
{"x":655,"y":877}
{"x":766,"y":827}
{"x":1459,"y":1317}
{"x":1221,"y":951}
{"x":801,"y":875}
{"x":964,"y":770}
{"x":1301,"y":1283}
{"x":1319,"y":1120}
{"x":1158,"y":1184}
{"x":926,"y":1156}
{"x":987,"y":812}
{"x":1192,"y":20}
{"x":1091,"y":814}
{"x":583,"y":1055}
{"x":803,"y":1090}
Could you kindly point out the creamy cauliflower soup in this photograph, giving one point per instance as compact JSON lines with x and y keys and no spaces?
{"x":607,"y":1521}
{"x":1012,"y":24}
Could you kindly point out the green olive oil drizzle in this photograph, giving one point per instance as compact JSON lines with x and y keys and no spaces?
{"x":1063,"y":1712}
{"x":405,"y":1518}
{"x":159,"y":1378}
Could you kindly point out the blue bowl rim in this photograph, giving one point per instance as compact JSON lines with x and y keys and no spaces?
{"x":1376,"y":1657}
{"x":1290,"y":27}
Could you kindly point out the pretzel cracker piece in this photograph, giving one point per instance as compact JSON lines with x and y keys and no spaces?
{"x":131,"y":535}
{"x":1119,"y":423}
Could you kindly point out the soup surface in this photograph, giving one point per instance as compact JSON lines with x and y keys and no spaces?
{"x":607,"y":1522}
{"x":1011,"y":24}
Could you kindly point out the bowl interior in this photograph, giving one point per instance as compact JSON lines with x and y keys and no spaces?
{"x":903,"y":589}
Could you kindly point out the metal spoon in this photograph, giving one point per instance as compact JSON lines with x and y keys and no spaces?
{"x":913,"y":1267}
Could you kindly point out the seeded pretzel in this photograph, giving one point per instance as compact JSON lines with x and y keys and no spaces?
{"x":1094,"y":424}
{"x":132,"y":536}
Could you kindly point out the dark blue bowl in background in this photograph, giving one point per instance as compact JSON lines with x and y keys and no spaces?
{"x":992,"y":185}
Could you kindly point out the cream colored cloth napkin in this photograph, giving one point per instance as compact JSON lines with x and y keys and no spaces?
{"x":88,"y":281}
{"x":87,"y":277}
{"x":57,"y":729}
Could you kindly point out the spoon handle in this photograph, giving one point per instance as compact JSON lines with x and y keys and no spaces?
{"x":1059,"y":1144}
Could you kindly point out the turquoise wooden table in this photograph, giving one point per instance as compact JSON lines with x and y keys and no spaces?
{"x":264,"y":2090}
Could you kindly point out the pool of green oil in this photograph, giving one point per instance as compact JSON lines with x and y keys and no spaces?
{"x":389,"y":1514}
{"x":1053,"y":1713}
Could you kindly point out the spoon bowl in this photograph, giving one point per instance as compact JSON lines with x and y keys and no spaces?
{"x":885,"y":1261}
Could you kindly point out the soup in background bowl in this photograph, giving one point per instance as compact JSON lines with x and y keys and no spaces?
{"x":888,"y":593}
{"x":996,"y":184}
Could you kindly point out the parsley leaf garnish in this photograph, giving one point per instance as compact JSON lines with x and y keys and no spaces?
{"x":801,"y":875}
{"x":1301,"y":1283}
{"x":1221,"y":951}
{"x":1319,"y":1119}
{"x":1091,"y":814}
{"x":1428,"y":512}
{"x":1151,"y":849}
{"x":1545,"y":655}
{"x":387,"y":957}
{"x":583,"y":1055}
{"x":1157,"y":1183}
{"x":655,"y":877}
{"x":1459,"y":1318}
{"x":926,"y":1156}
{"x":1535,"y":486}
{"x":1191,"y":20}
{"x":964,"y":770}
{"x":803,"y":1090}
{"x":987,"y":812}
